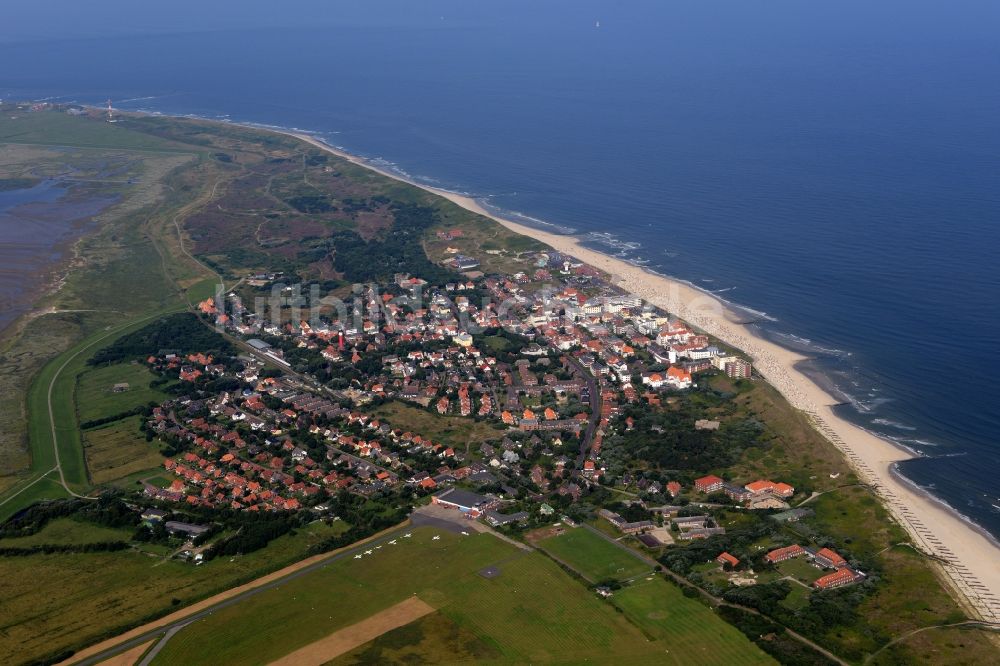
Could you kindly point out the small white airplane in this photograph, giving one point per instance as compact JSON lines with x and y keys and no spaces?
{"x":358,"y":557}
{"x":392,"y":543}
{"x":368,"y":552}
{"x":377,"y":547}
{"x":436,"y":537}
{"x":407,"y":535}
{"x":464,"y":533}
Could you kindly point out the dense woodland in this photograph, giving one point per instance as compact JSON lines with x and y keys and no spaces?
{"x":666,"y":439}
{"x":180,"y":333}
{"x":109,"y":511}
{"x":400,"y":250}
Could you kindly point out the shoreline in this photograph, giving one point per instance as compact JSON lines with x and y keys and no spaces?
{"x":939,"y":529}
{"x":966,"y":551}
{"x":48,"y":280}
{"x":43,"y":283}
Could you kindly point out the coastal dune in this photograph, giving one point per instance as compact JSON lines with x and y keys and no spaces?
{"x":970,"y":559}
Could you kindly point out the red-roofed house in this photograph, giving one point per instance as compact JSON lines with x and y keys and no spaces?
{"x":828,"y":558}
{"x":766,"y":486}
{"x":838,"y":578}
{"x":783,"y":490}
{"x":725,"y":558}
{"x":786,"y":553}
{"x":678,"y":377}
{"x":709,"y":484}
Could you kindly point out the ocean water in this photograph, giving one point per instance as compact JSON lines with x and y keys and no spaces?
{"x":836,"y":169}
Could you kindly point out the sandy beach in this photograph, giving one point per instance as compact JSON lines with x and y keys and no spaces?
{"x":972,"y":558}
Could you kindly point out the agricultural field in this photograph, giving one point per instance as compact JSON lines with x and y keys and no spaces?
{"x":97,"y":399}
{"x":62,"y":601}
{"x":486,"y":615}
{"x":593,"y":557}
{"x":62,"y":130}
{"x":455,"y":431}
{"x":117,"y":450}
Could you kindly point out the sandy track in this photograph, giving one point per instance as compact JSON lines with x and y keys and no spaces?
{"x":348,"y":638}
{"x":129,"y":658}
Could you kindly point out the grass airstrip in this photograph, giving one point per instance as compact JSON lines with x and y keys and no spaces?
{"x":487,"y":608}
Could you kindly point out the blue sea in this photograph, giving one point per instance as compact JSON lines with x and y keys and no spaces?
{"x":833,"y":167}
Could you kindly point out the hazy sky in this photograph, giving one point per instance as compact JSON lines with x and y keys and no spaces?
{"x":47,"y":19}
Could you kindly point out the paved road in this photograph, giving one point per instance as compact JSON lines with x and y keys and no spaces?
{"x":151,"y":655}
{"x":594,"y":388}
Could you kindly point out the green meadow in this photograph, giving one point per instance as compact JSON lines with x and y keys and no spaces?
{"x":592,"y":556}
{"x":62,"y":601}
{"x":504,"y":619}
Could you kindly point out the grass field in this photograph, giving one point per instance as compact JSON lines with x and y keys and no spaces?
{"x":61,"y":129}
{"x":68,"y":531}
{"x":855,"y":512}
{"x":801,"y":569}
{"x":60,"y":601}
{"x":433,"y":639}
{"x":496,"y":620}
{"x":593,"y":557}
{"x":96,"y":400}
{"x":456,"y":431}
{"x":497,"y":343}
{"x":798,"y":598}
{"x":117,"y":450}
{"x":58,"y":378}
{"x":687,"y":631}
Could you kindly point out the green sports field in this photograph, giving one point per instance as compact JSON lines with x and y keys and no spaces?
{"x":593,"y":557}
{"x":505,"y":619}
